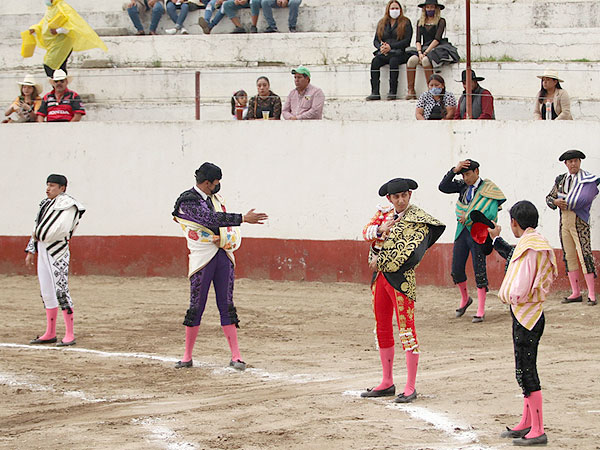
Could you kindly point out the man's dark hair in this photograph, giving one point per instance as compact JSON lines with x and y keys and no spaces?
{"x":525,"y":213}
{"x":208,"y":171}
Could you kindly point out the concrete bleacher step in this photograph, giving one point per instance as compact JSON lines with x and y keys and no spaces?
{"x":344,"y":109}
{"x":195,"y":51}
{"x":514,"y":80}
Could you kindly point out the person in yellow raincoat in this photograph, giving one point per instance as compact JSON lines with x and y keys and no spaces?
{"x":61,"y":32}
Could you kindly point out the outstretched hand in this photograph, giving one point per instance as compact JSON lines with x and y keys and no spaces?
{"x":254,"y":217}
{"x":494,"y":232}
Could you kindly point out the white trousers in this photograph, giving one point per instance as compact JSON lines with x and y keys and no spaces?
{"x":54,"y":278}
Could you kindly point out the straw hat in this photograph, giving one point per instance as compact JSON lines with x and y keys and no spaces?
{"x":550,"y":74}
{"x":30,"y":81}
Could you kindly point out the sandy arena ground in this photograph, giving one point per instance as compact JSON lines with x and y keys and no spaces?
{"x":310,"y":350}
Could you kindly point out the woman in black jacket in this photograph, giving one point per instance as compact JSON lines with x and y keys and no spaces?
{"x":393,"y":35}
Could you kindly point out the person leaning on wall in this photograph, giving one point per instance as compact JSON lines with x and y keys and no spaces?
{"x":552,"y":102}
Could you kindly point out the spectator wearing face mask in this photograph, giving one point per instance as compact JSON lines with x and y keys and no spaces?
{"x":432,"y":49}
{"x":436,"y":103}
{"x":393,"y":35}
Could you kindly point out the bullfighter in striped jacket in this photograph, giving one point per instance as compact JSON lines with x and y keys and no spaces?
{"x":55,"y":223}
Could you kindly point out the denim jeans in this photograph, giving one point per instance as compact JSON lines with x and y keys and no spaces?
{"x":157,"y":11}
{"x":172,"y":11}
{"x":268,"y":5}
{"x":212,"y":6}
{"x":231,"y":8}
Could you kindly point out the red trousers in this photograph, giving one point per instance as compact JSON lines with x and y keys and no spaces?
{"x":386,"y":301}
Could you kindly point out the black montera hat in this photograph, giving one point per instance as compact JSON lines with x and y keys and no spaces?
{"x":472,"y":166}
{"x":208,"y":171}
{"x":397,"y":185}
{"x":571,"y":154}
{"x":58,"y":179}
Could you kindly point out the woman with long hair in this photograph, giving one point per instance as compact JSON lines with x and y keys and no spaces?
{"x":432,"y":49}
{"x":553,"y":102}
{"x":266,"y":104}
{"x":27,"y":103}
{"x":393,"y":35}
{"x":436,"y":103}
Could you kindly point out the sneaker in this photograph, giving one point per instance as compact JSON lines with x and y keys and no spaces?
{"x":293,"y":30}
{"x":253,"y":29}
{"x":171,"y":31}
{"x":184,"y":31}
{"x":204,"y":25}
{"x":238,"y":30}
{"x":238,"y":365}
{"x":271,"y":30}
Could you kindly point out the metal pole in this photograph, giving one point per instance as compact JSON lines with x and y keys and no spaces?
{"x":197,"y":95}
{"x":468,"y":96}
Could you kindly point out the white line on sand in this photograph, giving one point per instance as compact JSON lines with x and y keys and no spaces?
{"x":216,"y":368}
{"x":461,"y":433}
{"x":161,"y":434}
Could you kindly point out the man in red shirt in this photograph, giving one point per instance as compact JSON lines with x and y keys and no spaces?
{"x":481,"y":99}
{"x":60,"y":104}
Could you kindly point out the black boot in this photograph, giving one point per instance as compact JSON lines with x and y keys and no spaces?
{"x":393,"y":84}
{"x":374,"y":87}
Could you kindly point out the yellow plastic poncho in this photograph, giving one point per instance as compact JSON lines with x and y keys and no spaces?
{"x":80,"y":35}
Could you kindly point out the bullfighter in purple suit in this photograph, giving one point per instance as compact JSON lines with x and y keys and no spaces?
{"x":212,"y":236}
{"x":573,"y":193}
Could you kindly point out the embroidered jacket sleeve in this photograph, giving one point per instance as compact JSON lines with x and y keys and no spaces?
{"x":522,"y":283}
{"x":370,"y":229}
{"x":404,"y":247}
{"x":553,"y":195}
{"x":200,"y":213}
{"x":449,"y":185}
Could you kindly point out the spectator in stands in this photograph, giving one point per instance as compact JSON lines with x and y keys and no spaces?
{"x":178,"y":19}
{"x":239,"y":105}
{"x":61,"y":104}
{"x":206,"y":23}
{"x":231,"y":7}
{"x":306,"y":101}
{"x":267,"y":7}
{"x":60,"y":32}
{"x":552,"y":101}
{"x":265,"y":105}
{"x":26,"y":105}
{"x":481,"y":99}
{"x":432,"y":49}
{"x":136,"y":6}
{"x":436,"y":103}
{"x":393,"y":35}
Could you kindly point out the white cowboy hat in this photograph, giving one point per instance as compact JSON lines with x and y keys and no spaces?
{"x":550,"y":74}
{"x":30,"y":81}
{"x":59,"y":75}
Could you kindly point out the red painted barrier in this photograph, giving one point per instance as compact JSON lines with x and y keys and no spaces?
{"x":258,"y":258}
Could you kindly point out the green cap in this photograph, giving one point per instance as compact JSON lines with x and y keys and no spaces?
{"x":301,"y":70}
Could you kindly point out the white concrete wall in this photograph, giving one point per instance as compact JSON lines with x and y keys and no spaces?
{"x":317,"y":180}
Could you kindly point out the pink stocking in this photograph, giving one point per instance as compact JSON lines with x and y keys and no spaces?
{"x":412,"y":362}
{"x":525,"y":418}
{"x":574,"y":282}
{"x":537,"y":420}
{"x":464,"y":294}
{"x":50,"y":333}
{"x":589,"y":280}
{"x":190,"y":339}
{"x":69,"y":335}
{"x":481,"y":302}
{"x":387,"y":364}
{"x":231,"y":335}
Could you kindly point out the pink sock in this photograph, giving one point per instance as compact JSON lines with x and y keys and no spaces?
{"x":190,"y":339}
{"x":525,"y":418}
{"x":481,"y":302}
{"x":589,"y":280}
{"x":50,"y":333}
{"x":231,"y":335}
{"x":69,"y":335}
{"x":537,"y":420}
{"x":463,"y":293}
{"x":412,"y":362}
{"x":387,"y":364}
{"x":574,"y":281}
